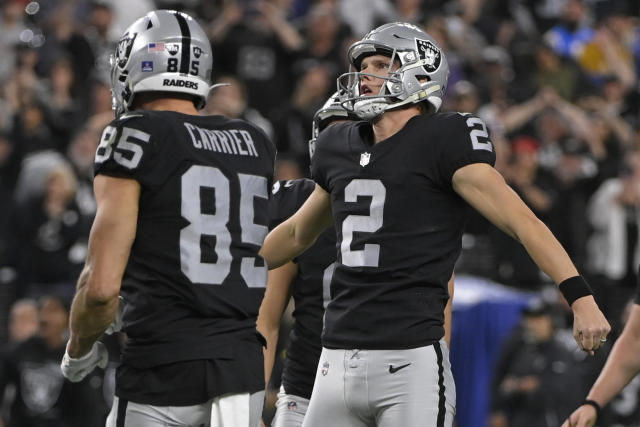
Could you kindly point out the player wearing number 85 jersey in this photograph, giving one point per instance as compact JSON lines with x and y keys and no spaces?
{"x":396,"y":188}
{"x":182,"y":202}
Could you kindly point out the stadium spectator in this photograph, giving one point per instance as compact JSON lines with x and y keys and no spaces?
{"x":11,"y":29}
{"x":253,"y":40}
{"x":557,"y":73}
{"x":293,"y":122}
{"x":614,"y":246}
{"x":608,"y":52}
{"x":537,"y":188}
{"x":23,"y":320}
{"x":45,"y":228}
{"x":569,"y":36}
{"x":534,"y":371}
{"x":362,"y":15}
{"x":230,"y":100}
{"x":42,"y":396}
{"x":63,"y":112}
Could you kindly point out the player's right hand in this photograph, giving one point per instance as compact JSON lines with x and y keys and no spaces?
{"x":584,"y":416}
{"x":76,"y":369}
{"x":590,"y":327}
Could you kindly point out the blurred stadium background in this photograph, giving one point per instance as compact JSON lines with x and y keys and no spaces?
{"x":556,"y":81}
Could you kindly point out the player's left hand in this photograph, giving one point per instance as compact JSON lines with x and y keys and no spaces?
{"x":584,"y":416}
{"x":590,"y":327}
{"x":76,"y":369}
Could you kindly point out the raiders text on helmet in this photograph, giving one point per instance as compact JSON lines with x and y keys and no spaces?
{"x":164,"y":51}
{"x":422,"y":74}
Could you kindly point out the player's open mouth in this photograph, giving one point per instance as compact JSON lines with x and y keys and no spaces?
{"x":366,"y":90}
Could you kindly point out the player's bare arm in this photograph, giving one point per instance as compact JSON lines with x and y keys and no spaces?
{"x":299,"y":232}
{"x":485,"y":189}
{"x":447,"y":313}
{"x":622,"y":365}
{"x":96,"y":301}
{"x":273,"y":304}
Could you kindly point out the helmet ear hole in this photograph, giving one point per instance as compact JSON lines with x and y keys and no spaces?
{"x":423,"y":78}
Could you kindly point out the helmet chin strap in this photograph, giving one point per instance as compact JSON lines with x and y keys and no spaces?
{"x":370,"y":109}
{"x":417,"y":97}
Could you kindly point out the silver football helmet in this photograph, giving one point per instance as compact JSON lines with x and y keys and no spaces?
{"x":331,"y":111}
{"x":422,"y":73}
{"x":164,"y":51}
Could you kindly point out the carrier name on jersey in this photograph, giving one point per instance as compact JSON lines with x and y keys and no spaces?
{"x":231,"y":141}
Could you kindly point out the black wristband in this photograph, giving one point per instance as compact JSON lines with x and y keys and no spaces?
{"x":594,"y":404}
{"x":574,"y":287}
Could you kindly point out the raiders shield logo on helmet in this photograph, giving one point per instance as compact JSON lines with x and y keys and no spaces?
{"x":430,"y":53}
{"x":124,"y":49}
{"x":197,"y":52}
{"x":172,"y":48}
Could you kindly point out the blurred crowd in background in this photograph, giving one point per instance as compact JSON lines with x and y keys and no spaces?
{"x":556,"y":81}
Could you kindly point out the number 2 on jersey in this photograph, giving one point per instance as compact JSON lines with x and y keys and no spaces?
{"x":370,"y":255}
{"x":475,"y":134}
{"x":215,"y":224}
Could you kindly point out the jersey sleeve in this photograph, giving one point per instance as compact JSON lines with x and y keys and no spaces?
{"x":126,"y":149}
{"x":286,"y":199}
{"x":465,"y":140}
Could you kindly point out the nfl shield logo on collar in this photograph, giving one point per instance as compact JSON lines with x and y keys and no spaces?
{"x":325,"y":369}
{"x":364,"y":159}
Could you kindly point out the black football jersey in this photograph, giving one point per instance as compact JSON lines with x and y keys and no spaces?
{"x":399,"y":226}
{"x":310,"y":290}
{"x":194,"y":280}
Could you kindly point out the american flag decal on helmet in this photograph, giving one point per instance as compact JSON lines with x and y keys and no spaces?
{"x":155,"y":47}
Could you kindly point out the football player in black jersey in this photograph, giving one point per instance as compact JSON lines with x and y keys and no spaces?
{"x":307,"y":279}
{"x":396,"y":187}
{"x":622,"y":365}
{"x":182,"y":212}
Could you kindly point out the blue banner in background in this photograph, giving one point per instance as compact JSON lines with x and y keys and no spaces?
{"x":484,"y":314}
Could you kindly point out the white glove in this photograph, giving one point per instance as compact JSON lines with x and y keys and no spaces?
{"x":116,"y":325}
{"x":76,"y":369}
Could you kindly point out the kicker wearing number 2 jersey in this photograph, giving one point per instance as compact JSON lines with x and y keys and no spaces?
{"x":194,"y":282}
{"x":397,"y":248}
